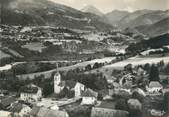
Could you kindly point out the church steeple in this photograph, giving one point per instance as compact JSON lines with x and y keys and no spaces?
{"x":56,"y":67}
{"x":57,"y":81}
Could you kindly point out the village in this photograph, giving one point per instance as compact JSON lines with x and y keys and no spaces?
{"x":135,"y":94}
{"x":84,"y":58}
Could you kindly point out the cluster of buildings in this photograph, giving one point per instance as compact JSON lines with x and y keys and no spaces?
{"x":31,"y":103}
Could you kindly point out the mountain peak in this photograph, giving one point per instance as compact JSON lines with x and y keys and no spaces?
{"x":92,"y":9}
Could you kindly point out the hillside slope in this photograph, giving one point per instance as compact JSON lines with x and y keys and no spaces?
{"x":143,"y":17}
{"x":155,"y":29}
{"x":44,"y":12}
{"x":114,"y":16}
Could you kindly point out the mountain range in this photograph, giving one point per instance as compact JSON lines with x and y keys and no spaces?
{"x":149,"y":22}
{"x":44,"y":12}
{"x":92,"y":9}
{"x":155,"y":29}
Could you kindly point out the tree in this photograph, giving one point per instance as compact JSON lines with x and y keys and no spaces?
{"x":47,"y":43}
{"x":128,"y":68}
{"x":88,"y":67}
{"x":154,"y":73}
{"x":138,"y":96}
{"x":47,"y":89}
{"x":166,"y":102}
{"x":96,"y":65}
{"x":147,"y":67}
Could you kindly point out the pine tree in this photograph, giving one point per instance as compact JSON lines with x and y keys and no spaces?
{"x":154,"y":73}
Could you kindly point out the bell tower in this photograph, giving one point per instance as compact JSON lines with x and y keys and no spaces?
{"x":57,"y":81}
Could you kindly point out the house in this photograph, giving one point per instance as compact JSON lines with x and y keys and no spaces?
{"x":140,"y":71}
{"x":154,"y":87}
{"x":34,"y":111}
{"x":116,"y":88}
{"x":134,"y":104}
{"x":103,"y":94}
{"x":5,"y":113}
{"x":107,"y":109}
{"x":89,"y":97}
{"x":5,"y":102}
{"x":127,"y":79}
{"x":20,"y":109}
{"x":30,"y":93}
{"x":140,"y":91}
{"x":165,"y":89}
{"x":45,"y":112}
{"x":3,"y":92}
{"x":79,"y":88}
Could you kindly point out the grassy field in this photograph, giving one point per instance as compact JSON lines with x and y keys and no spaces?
{"x":92,"y":62}
{"x":34,"y":46}
{"x":137,"y":61}
{"x":3,"y":55}
{"x":107,"y":70}
{"x":48,"y":74}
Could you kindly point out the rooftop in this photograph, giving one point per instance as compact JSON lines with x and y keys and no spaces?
{"x":107,"y":104}
{"x":7,"y":101}
{"x":89,"y":93}
{"x":154,"y":84}
{"x":45,"y":112}
{"x":29,"y":89}
{"x":17,"y":107}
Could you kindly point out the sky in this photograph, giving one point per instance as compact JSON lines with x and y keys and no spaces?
{"x":106,"y":6}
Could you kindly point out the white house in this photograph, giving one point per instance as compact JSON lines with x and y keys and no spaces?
{"x":79,"y":88}
{"x":89,"y":97}
{"x":31,"y":93}
{"x":154,"y":87}
{"x":5,"y":113}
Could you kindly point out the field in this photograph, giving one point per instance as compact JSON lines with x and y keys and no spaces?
{"x":137,"y":61}
{"x":92,"y":62}
{"x":34,"y":46}
{"x":3,"y":55}
{"x":107,"y":70}
{"x":48,"y":74}
{"x":14,"y":53}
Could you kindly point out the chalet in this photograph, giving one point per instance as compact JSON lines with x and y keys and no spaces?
{"x":30,"y":93}
{"x":20,"y":109}
{"x":89,"y":97}
{"x":154,"y":87}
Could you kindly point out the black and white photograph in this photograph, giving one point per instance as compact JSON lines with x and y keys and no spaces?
{"x":84,"y":58}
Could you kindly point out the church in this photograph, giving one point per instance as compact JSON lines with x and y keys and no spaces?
{"x":70,"y":85}
{"x":57,"y":82}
